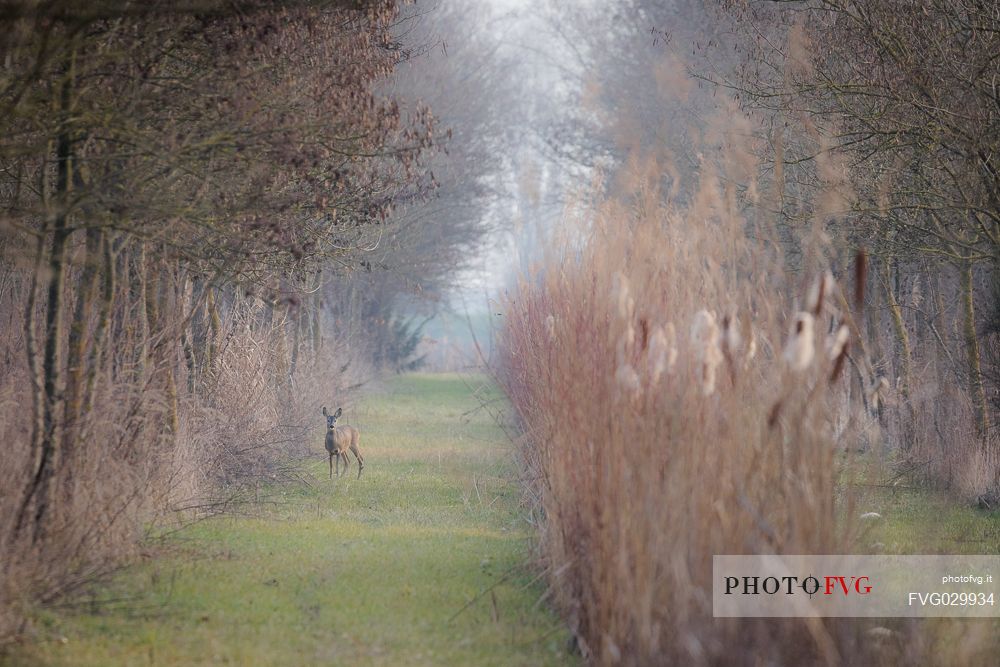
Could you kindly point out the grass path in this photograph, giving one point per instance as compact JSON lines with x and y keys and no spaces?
{"x":376,"y":571}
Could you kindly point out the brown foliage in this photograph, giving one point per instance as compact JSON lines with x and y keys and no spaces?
{"x":163,"y":164}
{"x":646,"y":464}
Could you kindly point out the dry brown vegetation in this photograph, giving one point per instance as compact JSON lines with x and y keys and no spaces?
{"x":857,"y":131}
{"x":875,"y":128}
{"x":885,"y":118}
{"x":180,"y":187}
{"x":646,"y":464}
{"x":152,"y":456}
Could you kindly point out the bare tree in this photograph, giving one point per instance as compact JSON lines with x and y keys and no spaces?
{"x":191,"y":148}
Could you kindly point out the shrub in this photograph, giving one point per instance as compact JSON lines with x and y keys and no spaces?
{"x":677,"y":389}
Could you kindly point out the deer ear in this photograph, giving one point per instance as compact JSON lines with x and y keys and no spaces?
{"x":339,"y":412}
{"x":324,"y":411}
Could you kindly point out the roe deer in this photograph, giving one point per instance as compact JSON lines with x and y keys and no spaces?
{"x":339,"y":439}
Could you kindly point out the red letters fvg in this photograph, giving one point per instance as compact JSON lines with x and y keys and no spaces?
{"x":841,"y":583}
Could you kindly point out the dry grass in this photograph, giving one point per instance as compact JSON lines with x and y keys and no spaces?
{"x":152,"y":450}
{"x":934,"y":435}
{"x":100,"y":517}
{"x":646,"y":468}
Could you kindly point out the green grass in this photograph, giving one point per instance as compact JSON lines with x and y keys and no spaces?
{"x":916,"y":520}
{"x":421,"y":561}
{"x":914,"y":517}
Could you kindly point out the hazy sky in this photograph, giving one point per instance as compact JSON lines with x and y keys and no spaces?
{"x":540,"y":60}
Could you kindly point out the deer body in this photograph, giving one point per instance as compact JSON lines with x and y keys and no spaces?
{"x":339,"y":439}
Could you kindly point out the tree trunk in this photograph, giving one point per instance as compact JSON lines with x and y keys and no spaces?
{"x":297,"y":315}
{"x":139,"y":286}
{"x":281,"y":368}
{"x":107,"y":301}
{"x":173,"y":298}
{"x":899,"y":327}
{"x":214,"y":329}
{"x":973,"y":360}
{"x":37,"y":383}
{"x":317,"y":333}
{"x":42,"y":487}
{"x":79,"y":341}
{"x":151,"y":300}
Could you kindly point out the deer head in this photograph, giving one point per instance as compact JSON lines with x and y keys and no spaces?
{"x":331,"y":420}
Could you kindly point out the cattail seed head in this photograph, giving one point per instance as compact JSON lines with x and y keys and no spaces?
{"x":671,"y":335}
{"x":801,"y":347}
{"x":732,"y":340}
{"x":838,"y":341}
{"x":820,"y":290}
{"x":705,"y":340}
{"x":662,"y":352}
{"x":876,"y":395}
{"x":751,"y":349}
{"x":860,"y":278}
{"x":624,"y":346}
{"x":704,"y":330}
{"x":621,"y":296}
{"x":627,"y":379}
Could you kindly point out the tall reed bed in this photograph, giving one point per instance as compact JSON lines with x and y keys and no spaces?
{"x":676,"y":384}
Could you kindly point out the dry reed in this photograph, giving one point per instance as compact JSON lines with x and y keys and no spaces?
{"x":652,"y":453}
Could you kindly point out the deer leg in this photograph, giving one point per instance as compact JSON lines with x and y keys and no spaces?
{"x":346,"y":461}
{"x":361,"y":460}
{"x":331,"y":464}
